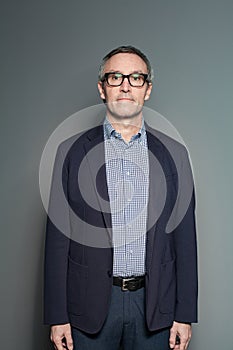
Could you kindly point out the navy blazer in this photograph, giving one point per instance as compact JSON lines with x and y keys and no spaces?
{"x":78,"y":250}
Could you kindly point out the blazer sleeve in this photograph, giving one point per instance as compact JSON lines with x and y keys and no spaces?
{"x":186,"y":247}
{"x":57,"y":246}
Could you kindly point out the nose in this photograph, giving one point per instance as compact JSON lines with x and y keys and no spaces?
{"x":125,"y":86}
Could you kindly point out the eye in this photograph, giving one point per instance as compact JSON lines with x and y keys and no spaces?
{"x":115,"y":76}
{"x":136,"y":77}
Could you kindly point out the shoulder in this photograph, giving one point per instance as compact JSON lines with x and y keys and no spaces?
{"x":74,"y":143}
{"x":164,"y":140}
{"x":168,"y":151}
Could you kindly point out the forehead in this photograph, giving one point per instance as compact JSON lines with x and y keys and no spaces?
{"x":125,"y":63}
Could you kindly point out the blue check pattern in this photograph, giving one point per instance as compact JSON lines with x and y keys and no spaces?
{"x":127,"y":170}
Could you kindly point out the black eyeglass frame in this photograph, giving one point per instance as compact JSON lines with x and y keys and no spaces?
{"x":123,"y":76}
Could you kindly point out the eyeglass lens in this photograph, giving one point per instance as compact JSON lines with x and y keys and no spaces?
{"x":116,"y":79}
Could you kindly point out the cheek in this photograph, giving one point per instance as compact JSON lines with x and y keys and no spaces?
{"x":141,"y":98}
{"x":109,"y":95}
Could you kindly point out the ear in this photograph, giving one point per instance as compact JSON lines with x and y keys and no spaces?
{"x":148,"y":92}
{"x":101,"y":90}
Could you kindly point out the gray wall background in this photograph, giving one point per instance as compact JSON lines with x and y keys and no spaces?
{"x":51,"y":51}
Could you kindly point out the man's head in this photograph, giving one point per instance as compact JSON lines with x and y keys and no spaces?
{"x":125,"y":81}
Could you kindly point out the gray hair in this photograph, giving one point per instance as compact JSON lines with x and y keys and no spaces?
{"x":126,"y":49}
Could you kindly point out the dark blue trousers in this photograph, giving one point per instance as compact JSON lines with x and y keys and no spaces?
{"x":125,"y":327}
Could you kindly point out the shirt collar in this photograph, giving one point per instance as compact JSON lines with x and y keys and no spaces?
{"x":110,"y":131}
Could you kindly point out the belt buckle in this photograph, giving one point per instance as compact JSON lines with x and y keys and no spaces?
{"x":124,"y":281}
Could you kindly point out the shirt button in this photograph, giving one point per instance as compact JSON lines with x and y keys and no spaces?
{"x":131,"y":251}
{"x":127,"y":173}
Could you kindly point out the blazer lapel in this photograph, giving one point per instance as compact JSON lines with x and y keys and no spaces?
{"x":95,"y":155}
{"x":157,"y":190}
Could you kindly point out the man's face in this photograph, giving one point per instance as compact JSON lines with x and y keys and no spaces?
{"x":125,"y":101}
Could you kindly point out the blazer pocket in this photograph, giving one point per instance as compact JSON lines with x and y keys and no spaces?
{"x":76,"y":287}
{"x":167,"y":287}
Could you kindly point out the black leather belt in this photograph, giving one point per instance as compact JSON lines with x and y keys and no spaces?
{"x":129,"y":283}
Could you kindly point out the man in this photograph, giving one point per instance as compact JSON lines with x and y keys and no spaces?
{"x":113,"y":274}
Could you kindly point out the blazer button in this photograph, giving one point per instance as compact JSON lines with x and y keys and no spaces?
{"x":109,"y":273}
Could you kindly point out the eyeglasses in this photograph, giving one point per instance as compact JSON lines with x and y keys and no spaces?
{"x":134,"y":79}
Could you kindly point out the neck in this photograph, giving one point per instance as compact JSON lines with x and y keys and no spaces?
{"x":127,"y":127}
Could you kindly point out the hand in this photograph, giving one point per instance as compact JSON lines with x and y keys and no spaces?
{"x":61,"y":337}
{"x":184,"y":332}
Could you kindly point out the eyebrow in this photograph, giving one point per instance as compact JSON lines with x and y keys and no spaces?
{"x":134,"y":72}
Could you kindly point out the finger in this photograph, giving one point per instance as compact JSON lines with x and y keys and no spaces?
{"x":58,"y":343}
{"x":187,"y":343}
{"x":69,"y":341}
{"x":67,"y":345}
{"x":183,"y":344}
{"x":177,"y":343}
{"x":172,"y":339}
{"x":51,"y":338}
{"x":189,"y":338}
{"x":177,"y":347}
